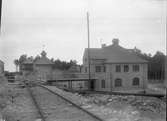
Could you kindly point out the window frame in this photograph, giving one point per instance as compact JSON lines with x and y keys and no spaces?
{"x":116,"y":84}
{"x":86,"y":69}
{"x":134,"y":81}
{"x":104,"y":68}
{"x":118,"y":68}
{"x":96,"y":69}
{"x":103,"y":83}
{"x":126,"y":69}
{"x":136,"y":68}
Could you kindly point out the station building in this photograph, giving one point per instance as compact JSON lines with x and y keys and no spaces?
{"x":1,"y":67}
{"x":112,"y":68}
{"x":115,"y":68}
{"x":40,"y":68}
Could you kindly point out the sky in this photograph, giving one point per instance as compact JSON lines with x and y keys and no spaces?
{"x":59,"y":27}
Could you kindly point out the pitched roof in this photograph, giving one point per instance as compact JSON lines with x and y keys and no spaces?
{"x":115,"y":54}
{"x":28,"y":61}
{"x":43,"y":61}
{"x":95,"y":53}
{"x":1,"y":62}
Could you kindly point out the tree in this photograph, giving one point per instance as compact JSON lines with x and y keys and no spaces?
{"x":31,"y":58}
{"x":73,"y":62}
{"x":63,"y":65}
{"x":22,"y":59}
{"x":16,"y":62}
{"x":52,"y":60}
{"x":156,"y":64}
{"x":37,"y":57}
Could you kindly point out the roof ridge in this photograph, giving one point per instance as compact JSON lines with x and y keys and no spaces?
{"x":115,"y":53}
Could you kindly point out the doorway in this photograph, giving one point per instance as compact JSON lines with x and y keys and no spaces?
{"x":92,"y":85}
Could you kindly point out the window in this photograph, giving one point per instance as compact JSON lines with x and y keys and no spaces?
{"x":80,"y":85}
{"x":103,"y":84}
{"x":118,"y":82}
{"x":85,"y":69}
{"x":98,"y":68}
{"x":118,"y":68}
{"x":104,"y":69}
{"x":86,"y":84}
{"x":126,"y":68}
{"x":136,"y":81}
{"x":136,"y":68}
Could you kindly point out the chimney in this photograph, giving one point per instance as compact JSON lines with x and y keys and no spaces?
{"x":115,"y":41}
{"x":103,"y":45}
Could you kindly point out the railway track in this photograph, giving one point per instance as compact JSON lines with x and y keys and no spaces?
{"x":52,"y":106}
{"x":117,"y":93}
{"x":36,"y":104}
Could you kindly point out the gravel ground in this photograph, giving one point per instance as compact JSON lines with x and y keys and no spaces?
{"x":21,"y":107}
{"x":119,"y":108}
{"x":57,"y":109}
{"x":110,"y":108}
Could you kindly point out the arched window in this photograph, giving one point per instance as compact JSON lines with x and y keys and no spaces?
{"x":118,"y":82}
{"x":136,"y":81}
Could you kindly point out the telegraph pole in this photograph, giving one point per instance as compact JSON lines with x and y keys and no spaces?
{"x":88,"y":32}
{"x":0,"y":12}
{"x":166,"y":56}
{"x":165,"y":82}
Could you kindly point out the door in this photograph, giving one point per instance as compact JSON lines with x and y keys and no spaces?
{"x":92,"y":85}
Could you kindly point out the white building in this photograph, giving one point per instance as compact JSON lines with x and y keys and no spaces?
{"x":1,"y":67}
{"x":115,"y":68}
{"x":40,"y":68}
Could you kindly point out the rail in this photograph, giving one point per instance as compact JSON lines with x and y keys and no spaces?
{"x":118,"y":93}
{"x":75,"y":105}
{"x":35,"y":103}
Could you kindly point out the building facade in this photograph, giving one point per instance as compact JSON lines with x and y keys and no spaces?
{"x":1,"y":67}
{"x":39,"y":69}
{"x":115,"y":68}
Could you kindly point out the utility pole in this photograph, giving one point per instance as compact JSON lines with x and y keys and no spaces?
{"x":0,"y":12}
{"x":88,"y":32}
{"x":166,"y":57}
{"x":165,"y":80}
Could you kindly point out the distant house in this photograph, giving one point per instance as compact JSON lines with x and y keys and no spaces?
{"x":41,"y":68}
{"x":1,"y":67}
{"x":27,"y":66}
{"x":115,"y":68}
